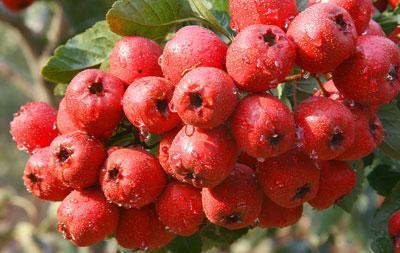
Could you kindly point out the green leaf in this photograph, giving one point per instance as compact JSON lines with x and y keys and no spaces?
{"x":86,"y":50}
{"x":381,"y":242}
{"x":390,"y":117}
{"x":220,"y":236}
{"x":389,"y":20}
{"x":349,"y":200}
{"x":219,"y":5}
{"x":149,"y":18}
{"x":190,"y":244}
{"x":383,"y":178}
{"x":60,"y":89}
{"x":301,"y":4}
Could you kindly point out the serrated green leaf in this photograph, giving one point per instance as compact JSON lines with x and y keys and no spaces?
{"x":390,"y":117}
{"x":181,"y":244}
{"x":383,"y":178}
{"x":86,"y":50}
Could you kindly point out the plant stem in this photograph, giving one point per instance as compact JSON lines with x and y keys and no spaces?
{"x":294,"y":77}
{"x":321,"y":85}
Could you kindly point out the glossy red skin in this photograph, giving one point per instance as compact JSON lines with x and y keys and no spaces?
{"x":326,"y":127}
{"x":202,"y":157}
{"x":245,"y":159}
{"x":289,"y":180}
{"x":321,"y":43}
{"x":76,"y":159}
{"x":394,"y":224}
{"x":85,"y":217}
{"x":189,"y":48}
{"x":140,"y":105}
{"x":381,"y":5}
{"x":132,"y":178}
{"x":34,"y":126}
{"x":395,"y":35}
{"x":218,"y":94}
{"x":142,"y":229}
{"x":394,"y":3}
{"x":65,"y":123}
{"x":236,"y":202}
{"x":40,"y":179}
{"x":135,"y":57}
{"x":364,"y":76}
{"x":337,"y":180}
{"x":359,"y":10}
{"x":97,"y":114}
{"x":17,"y":5}
{"x":180,"y":208}
{"x":257,"y":119}
{"x":257,"y":65}
{"x":268,"y":12}
{"x":163,"y":150}
{"x":275,"y":216}
{"x":374,"y":28}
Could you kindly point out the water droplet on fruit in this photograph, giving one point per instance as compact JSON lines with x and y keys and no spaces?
{"x":306,"y":75}
{"x":261,"y":159}
{"x":314,"y":155}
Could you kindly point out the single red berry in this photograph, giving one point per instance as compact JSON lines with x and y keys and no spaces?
{"x":34,"y":126}
{"x":374,"y":29}
{"x":394,"y":230}
{"x":163,"y":150}
{"x":381,"y":5}
{"x":142,"y":229}
{"x":189,"y":48}
{"x":394,"y":3}
{"x":135,"y":57}
{"x":94,"y":100}
{"x":202,"y":157}
{"x":76,"y":159}
{"x":336,"y":180}
{"x":180,"y":208}
{"x":65,"y":122}
{"x":325,"y":36}
{"x":205,"y":97}
{"x":275,"y":216}
{"x":289,"y":180}
{"x":85,"y":217}
{"x":260,"y":57}
{"x":371,"y":75}
{"x":132,"y":178}
{"x":268,"y":12}
{"x":17,"y":5}
{"x":146,"y":105}
{"x":325,"y":127}
{"x":263,"y":126}
{"x":40,"y":179}
{"x":236,"y":202}
{"x":395,"y":35}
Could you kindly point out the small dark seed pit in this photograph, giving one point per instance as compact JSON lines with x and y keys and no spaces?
{"x":392,"y":75}
{"x":33,"y":178}
{"x":233,"y":219}
{"x":63,"y":154}
{"x":269,"y":38}
{"x":140,"y":71}
{"x":196,"y":100}
{"x":96,"y":88}
{"x":275,"y":139}
{"x":339,"y":20}
{"x":336,"y":140}
{"x":162,"y":106}
{"x":301,"y":192}
{"x":113,"y":174}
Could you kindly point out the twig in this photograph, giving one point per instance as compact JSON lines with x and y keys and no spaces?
{"x":15,"y":76}
{"x":321,"y":85}
{"x":294,"y":77}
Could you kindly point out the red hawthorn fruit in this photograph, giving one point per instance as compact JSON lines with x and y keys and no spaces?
{"x":325,"y":36}
{"x":189,"y":48}
{"x":17,"y":5}
{"x":325,"y":127}
{"x":205,"y":97}
{"x":135,"y":57}
{"x":93,"y":99}
{"x":371,"y":75}
{"x":245,"y":159}
{"x":85,"y":217}
{"x":202,"y":157}
{"x":65,"y":123}
{"x":34,"y":126}
{"x":132,"y":178}
{"x":236,"y":202}
{"x":163,"y":150}
{"x":289,"y":180}
{"x":394,"y":230}
{"x":381,"y":5}
{"x":142,"y":229}
{"x":180,"y":208}
{"x":146,"y":105}
{"x":76,"y":159}
{"x":263,"y":126}
{"x":394,"y":3}
{"x":268,"y":12}
{"x":336,"y":180}
{"x":260,"y":57}
{"x":40,"y":179}
{"x":275,"y":216}
{"x":374,"y":29}
{"x":395,"y":35}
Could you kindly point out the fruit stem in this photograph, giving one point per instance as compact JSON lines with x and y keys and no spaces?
{"x":321,"y":85}
{"x":294,"y":77}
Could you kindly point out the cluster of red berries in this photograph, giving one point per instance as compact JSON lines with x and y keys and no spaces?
{"x":17,"y":5}
{"x":231,"y":153}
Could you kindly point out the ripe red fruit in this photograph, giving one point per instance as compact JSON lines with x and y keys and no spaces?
{"x":146,"y":105}
{"x":260,"y":57}
{"x":85,"y":217}
{"x":189,"y":48}
{"x":180,"y":208}
{"x":17,"y":5}
{"x":394,"y":230}
{"x":371,"y":75}
{"x":374,"y":29}
{"x":336,"y":180}
{"x":94,"y":100}
{"x":381,"y":5}
{"x":135,"y":57}
{"x":202,"y":157}
{"x":76,"y":159}
{"x":34,"y":126}
{"x":163,"y":150}
{"x":236,"y":202}
{"x":275,"y":216}
{"x":268,"y":12}
{"x":40,"y":179}
{"x":326,"y":127}
{"x":395,"y":35}
{"x":394,"y":3}
{"x":325,"y":36}
{"x":289,"y":180}
{"x":65,"y":123}
{"x":141,"y":229}
{"x":263,"y":126}
{"x":132,"y":178}
{"x":205,"y":97}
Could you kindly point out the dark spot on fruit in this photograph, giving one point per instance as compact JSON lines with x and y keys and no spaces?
{"x":96,"y":88}
{"x":336,"y":140}
{"x":340,"y":22}
{"x":189,"y":176}
{"x":301,"y":192}
{"x":275,"y":139}
{"x":33,"y":178}
{"x":162,"y":106}
{"x":233,"y":219}
{"x":269,"y":38}
{"x":63,"y":154}
{"x":113,"y":174}
{"x":392,"y":75}
{"x":65,"y":231}
{"x":372,"y":128}
{"x":140,"y":71}
{"x":196,"y":101}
